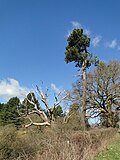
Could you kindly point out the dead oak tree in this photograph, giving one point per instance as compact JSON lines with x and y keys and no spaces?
{"x":46,"y":115}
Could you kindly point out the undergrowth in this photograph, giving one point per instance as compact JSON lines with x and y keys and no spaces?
{"x":48,"y":144}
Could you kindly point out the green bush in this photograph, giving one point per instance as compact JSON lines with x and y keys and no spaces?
{"x":13,"y":145}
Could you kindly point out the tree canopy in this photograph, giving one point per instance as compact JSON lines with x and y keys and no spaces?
{"x":77,"y":49}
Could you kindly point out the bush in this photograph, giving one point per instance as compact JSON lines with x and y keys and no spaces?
{"x":49,"y":144}
{"x":7,"y":142}
{"x":13,"y":145}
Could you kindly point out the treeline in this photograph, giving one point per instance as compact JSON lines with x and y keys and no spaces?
{"x":9,"y":112}
{"x":15,"y":112}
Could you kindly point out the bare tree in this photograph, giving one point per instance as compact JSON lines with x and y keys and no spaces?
{"x":46,"y":115}
{"x":103,"y":93}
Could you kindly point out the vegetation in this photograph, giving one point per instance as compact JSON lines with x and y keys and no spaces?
{"x":50,"y":145}
{"x":112,"y":152}
{"x":103,"y":92}
{"x":76,"y":51}
{"x":9,"y":113}
{"x":32,"y":129}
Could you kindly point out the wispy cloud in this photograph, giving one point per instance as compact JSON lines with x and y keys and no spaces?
{"x":55,"y":88}
{"x":10,"y":88}
{"x":112,"y":44}
{"x":87,"y":32}
{"x":77,"y":25}
{"x":96,"y":40}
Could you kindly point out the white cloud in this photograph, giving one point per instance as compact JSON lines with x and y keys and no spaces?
{"x":76,"y":24}
{"x":68,"y":34}
{"x":10,"y":88}
{"x":87,"y":32}
{"x":96,"y":40}
{"x":113,"y":44}
{"x":55,"y":89}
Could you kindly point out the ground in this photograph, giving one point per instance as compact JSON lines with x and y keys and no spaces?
{"x":112,"y":152}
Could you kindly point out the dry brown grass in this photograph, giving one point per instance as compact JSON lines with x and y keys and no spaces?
{"x":51,"y":145}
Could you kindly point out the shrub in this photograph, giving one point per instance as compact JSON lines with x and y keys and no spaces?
{"x":49,"y":144}
{"x":7,"y":142}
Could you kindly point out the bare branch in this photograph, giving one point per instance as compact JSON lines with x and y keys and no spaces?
{"x":37,"y":124}
{"x":46,"y":119}
{"x":43,"y":98}
{"x":57,"y":103}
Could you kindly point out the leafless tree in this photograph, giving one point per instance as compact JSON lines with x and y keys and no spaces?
{"x":46,"y":115}
{"x":103,"y":93}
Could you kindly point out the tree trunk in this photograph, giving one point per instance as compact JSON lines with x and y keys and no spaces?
{"x":52,"y":117}
{"x":84,"y":92}
{"x":111,"y":122}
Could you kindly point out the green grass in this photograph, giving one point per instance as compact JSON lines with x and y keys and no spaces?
{"x":112,"y":152}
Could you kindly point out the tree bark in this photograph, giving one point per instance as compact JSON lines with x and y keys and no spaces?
{"x":84,"y":92}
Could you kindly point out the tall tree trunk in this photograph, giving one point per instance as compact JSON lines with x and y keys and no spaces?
{"x":84,"y":92}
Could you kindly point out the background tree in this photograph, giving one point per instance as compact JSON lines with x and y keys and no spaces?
{"x":1,"y":109}
{"x":9,"y":112}
{"x":73,"y":119}
{"x":103,"y":93}
{"x":75,"y":98}
{"x":26,"y":106}
{"x":76,"y":51}
{"x":58,"y":112}
{"x":0,"y":106}
{"x":48,"y":114}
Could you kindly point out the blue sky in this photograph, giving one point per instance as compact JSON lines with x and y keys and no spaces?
{"x":33,"y":37}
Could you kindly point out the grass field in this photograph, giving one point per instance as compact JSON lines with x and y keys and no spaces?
{"x":112,"y":152}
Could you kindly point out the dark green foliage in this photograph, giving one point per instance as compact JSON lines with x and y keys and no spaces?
{"x":76,"y":51}
{"x":30,"y":96}
{"x":58,"y":112}
{"x":26,"y":106}
{"x":1,"y":106}
{"x":1,"y":113}
{"x":9,"y":112}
